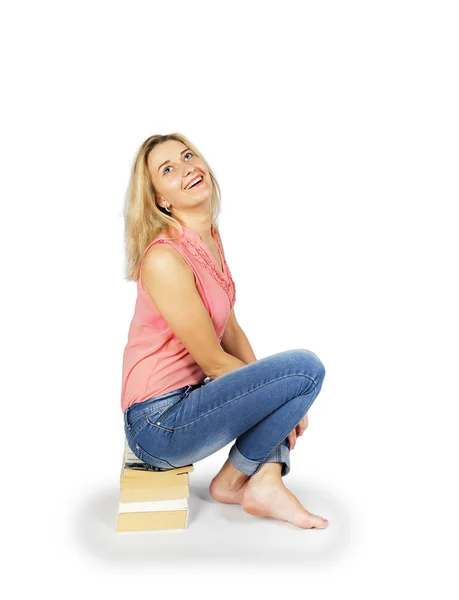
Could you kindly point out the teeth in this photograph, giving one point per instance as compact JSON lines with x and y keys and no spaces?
{"x":194,"y":183}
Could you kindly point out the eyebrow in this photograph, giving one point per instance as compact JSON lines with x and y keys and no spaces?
{"x":168,"y":161}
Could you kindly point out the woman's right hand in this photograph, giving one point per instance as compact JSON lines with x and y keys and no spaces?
{"x":299,"y":430}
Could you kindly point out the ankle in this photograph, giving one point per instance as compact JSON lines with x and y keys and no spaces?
{"x":232,"y":476}
{"x":268,"y":471}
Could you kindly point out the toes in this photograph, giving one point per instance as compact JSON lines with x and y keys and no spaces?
{"x":320,"y":522}
{"x":314,"y":521}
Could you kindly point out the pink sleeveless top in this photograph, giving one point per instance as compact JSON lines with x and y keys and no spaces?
{"x":155,"y":361}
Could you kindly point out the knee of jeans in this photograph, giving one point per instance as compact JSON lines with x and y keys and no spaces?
{"x":311,"y":365}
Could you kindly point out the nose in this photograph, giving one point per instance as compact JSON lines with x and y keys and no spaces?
{"x":190,"y":172}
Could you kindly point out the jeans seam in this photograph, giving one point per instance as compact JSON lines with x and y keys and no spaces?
{"x":249,"y":392}
{"x":315,"y":388}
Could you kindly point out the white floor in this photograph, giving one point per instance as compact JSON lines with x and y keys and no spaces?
{"x":378,"y":539}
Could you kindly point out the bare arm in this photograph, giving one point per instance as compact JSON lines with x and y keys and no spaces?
{"x":170,"y":283}
{"x":235,"y":342}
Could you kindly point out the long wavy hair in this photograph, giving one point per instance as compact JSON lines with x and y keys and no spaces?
{"x":143,"y":218}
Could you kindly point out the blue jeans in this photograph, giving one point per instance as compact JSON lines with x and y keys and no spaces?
{"x":257,"y":405}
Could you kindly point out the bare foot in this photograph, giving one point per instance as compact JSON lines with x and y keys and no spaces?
{"x":221,"y":491}
{"x":268,"y":497}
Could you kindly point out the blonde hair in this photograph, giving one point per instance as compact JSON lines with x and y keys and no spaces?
{"x":143,"y":218}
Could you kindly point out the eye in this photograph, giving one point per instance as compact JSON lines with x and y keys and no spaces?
{"x":165,"y":169}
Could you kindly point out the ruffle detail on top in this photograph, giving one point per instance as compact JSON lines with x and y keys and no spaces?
{"x":194,"y":248}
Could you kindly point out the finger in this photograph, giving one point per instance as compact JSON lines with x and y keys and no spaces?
{"x":301,"y":427}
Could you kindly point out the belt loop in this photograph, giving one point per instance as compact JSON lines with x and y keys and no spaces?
{"x":187,"y":391}
{"x":126,"y":422}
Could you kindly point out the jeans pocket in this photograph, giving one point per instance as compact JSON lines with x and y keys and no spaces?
{"x":157,"y":417}
{"x":134,"y":420}
{"x":132,"y":432}
{"x":154,"y":461}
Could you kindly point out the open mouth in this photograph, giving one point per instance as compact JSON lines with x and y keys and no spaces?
{"x":196,"y":184}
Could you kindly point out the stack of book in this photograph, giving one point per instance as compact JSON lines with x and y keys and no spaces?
{"x":151,"y":498}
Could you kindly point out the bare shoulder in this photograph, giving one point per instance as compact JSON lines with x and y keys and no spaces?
{"x":170,"y":282}
{"x":161,"y":256}
{"x":164,"y":263}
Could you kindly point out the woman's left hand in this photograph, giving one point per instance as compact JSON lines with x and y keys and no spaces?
{"x":299,"y":430}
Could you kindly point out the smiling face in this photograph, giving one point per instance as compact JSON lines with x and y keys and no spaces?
{"x":172,"y":167}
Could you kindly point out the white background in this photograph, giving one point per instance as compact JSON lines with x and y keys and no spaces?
{"x":332,"y":128}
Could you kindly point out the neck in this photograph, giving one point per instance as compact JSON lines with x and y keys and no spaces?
{"x":201,"y":224}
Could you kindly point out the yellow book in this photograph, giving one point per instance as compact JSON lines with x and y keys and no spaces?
{"x":151,"y":521}
{"x":152,"y":498}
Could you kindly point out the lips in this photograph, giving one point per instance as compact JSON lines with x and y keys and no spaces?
{"x":196,"y":177}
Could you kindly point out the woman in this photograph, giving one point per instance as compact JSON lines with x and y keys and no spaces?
{"x":191,"y":382}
